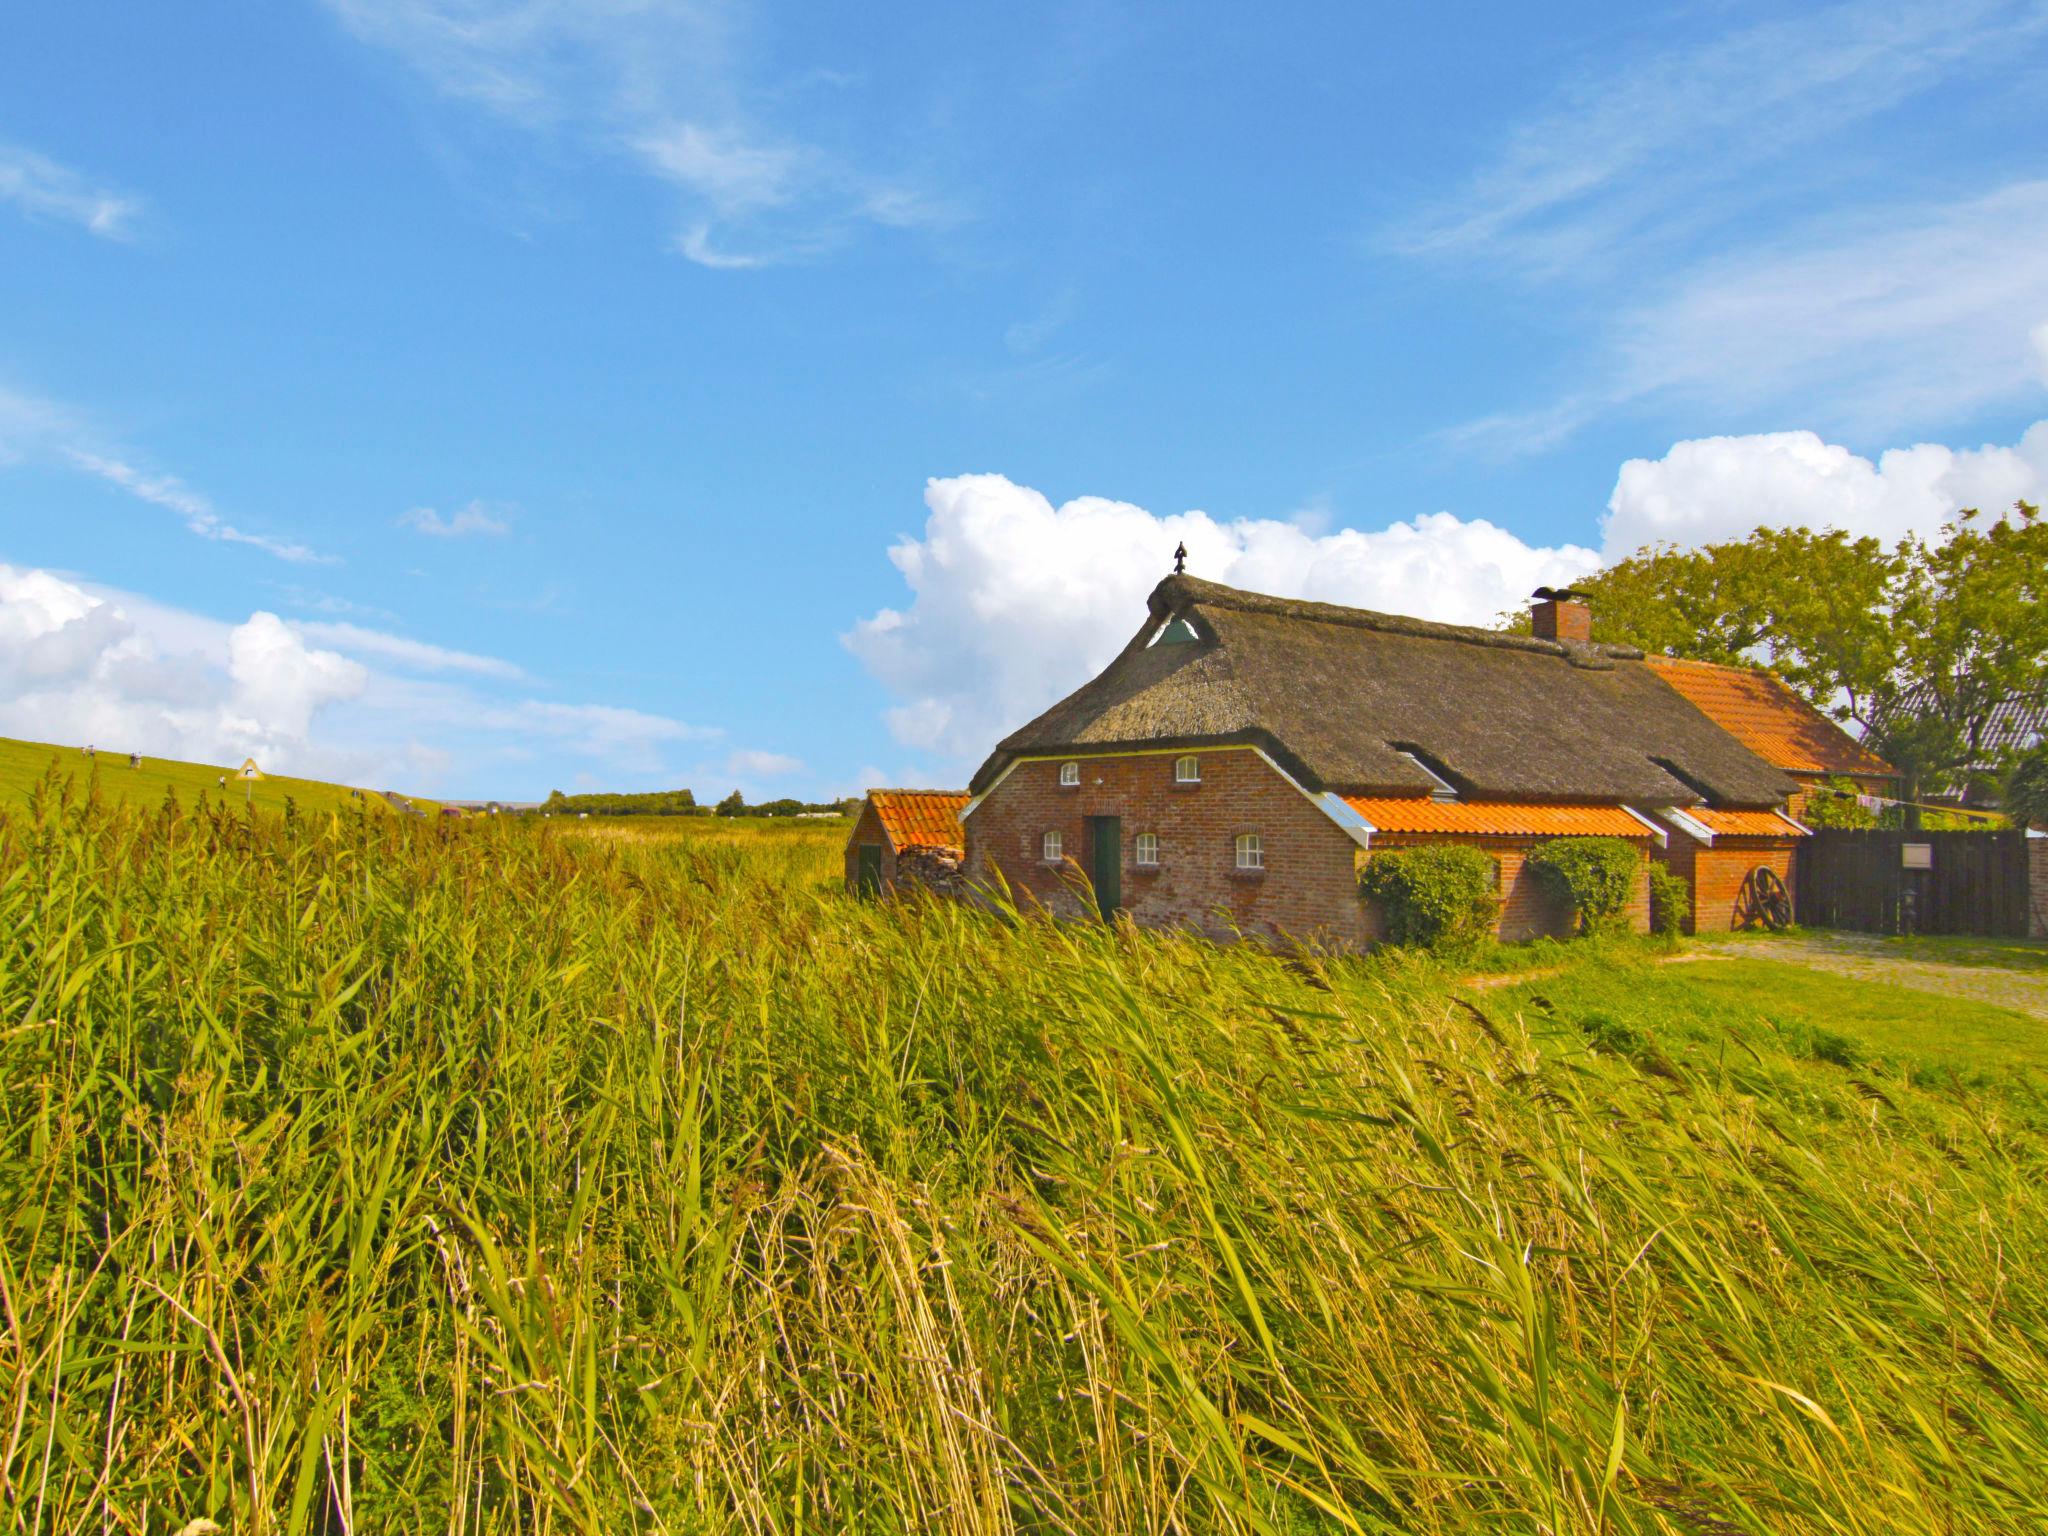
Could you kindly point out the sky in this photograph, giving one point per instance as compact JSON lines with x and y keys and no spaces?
{"x":484,"y":397}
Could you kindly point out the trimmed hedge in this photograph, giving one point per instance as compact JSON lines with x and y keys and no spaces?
{"x":1440,"y":896}
{"x":1670,"y":901}
{"x":1595,"y":874}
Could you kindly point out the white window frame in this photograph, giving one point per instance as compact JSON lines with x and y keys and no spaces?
{"x":1145,"y":852}
{"x":1050,"y":846}
{"x":1187,"y":770}
{"x":1251,"y":851}
{"x":1070,"y":775}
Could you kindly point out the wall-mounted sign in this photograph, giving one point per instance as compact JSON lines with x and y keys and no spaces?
{"x":1916,"y":855}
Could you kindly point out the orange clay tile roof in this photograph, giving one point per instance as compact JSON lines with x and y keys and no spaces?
{"x":1768,"y":718}
{"x":1497,"y":818}
{"x":1741,"y":823}
{"x":921,"y":818}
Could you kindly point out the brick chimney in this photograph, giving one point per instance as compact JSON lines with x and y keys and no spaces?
{"x":1561,"y":616}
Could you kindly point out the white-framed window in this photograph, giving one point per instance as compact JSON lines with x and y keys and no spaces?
{"x":1051,"y":844}
{"x":1187,"y":770}
{"x":1146,"y":852}
{"x":1070,"y":774}
{"x":1251,"y":852}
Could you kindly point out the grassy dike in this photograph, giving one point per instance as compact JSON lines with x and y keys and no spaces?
{"x":361,"y":1174}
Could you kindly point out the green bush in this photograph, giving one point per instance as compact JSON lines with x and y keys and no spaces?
{"x":1670,"y":902}
{"x":1441,"y":896}
{"x":2026,"y":789}
{"x":1594,"y":874}
{"x":1834,"y":804}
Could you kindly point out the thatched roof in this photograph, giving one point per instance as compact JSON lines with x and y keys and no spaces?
{"x":1338,"y":694}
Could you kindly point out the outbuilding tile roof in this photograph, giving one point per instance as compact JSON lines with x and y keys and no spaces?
{"x":1767,"y":717}
{"x":1743,"y":823}
{"x":1496,"y":818}
{"x":1354,"y":702}
{"x":921,"y":818}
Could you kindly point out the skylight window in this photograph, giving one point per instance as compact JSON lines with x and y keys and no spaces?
{"x":1444,"y":790}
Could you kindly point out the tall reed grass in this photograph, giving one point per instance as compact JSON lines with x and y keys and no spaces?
{"x":368,"y":1176}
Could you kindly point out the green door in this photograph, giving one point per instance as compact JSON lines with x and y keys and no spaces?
{"x":1106,"y":862}
{"x":869,"y":879}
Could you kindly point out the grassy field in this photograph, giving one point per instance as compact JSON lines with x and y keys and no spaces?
{"x":368,"y":1175}
{"x":24,"y":763}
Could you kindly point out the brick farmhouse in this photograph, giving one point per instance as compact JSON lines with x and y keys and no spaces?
{"x":1235,"y":766}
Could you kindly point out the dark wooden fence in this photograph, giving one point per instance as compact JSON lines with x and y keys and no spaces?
{"x":1974,"y":882}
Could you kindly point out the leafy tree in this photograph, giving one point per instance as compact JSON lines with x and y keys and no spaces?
{"x":2026,"y":789}
{"x":734,"y":804}
{"x":1918,"y":644}
{"x":1834,"y":804}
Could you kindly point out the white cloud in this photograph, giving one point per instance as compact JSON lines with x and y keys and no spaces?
{"x":751,"y":763}
{"x":33,"y":429}
{"x":416,"y":655}
{"x":1722,"y":487}
{"x":475,"y":518}
{"x":77,"y":667}
{"x":666,"y":85}
{"x":1015,"y":602}
{"x":81,"y":663}
{"x":43,"y":189}
{"x":1654,"y":146}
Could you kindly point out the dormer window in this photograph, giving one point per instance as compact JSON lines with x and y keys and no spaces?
{"x":1070,"y":775}
{"x":1187,"y":770}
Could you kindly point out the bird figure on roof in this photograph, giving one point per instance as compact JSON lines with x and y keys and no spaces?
{"x":1180,"y":560}
{"x":1546,"y":594}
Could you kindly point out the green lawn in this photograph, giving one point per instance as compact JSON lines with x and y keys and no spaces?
{"x":1707,"y":1007}
{"x":23,"y":764}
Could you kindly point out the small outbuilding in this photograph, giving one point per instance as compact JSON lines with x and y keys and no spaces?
{"x":907,"y":836}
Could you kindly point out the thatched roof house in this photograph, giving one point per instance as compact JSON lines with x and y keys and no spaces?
{"x":1380,"y":705}
{"x":1242,"y":755}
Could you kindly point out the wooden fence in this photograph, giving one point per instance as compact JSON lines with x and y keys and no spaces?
{"x":1913,"y":882}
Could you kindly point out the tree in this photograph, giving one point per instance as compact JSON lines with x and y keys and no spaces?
{"x":2026,"y":789}
{"x":1918,"y":645}
{"x":734,"y":804}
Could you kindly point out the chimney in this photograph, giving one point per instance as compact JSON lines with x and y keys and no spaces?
{"x":1560,"y":616}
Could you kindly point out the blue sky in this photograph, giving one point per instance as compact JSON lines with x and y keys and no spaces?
{"x":485,"y":396}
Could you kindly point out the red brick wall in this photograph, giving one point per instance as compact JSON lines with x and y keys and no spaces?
{"x":1528,"y":908}
{"x":868,"y":829}
{"x":1308,"y":890}
{"x":1716,"y":874}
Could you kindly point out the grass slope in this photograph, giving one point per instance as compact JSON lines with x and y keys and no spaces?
{"x":24,"y":763}
{"x":379,"y":1176}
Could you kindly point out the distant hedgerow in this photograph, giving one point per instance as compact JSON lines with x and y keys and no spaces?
{"x":1441,"y":896}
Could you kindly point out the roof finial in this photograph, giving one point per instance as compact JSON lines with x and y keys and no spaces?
{"x":1180,"y":560}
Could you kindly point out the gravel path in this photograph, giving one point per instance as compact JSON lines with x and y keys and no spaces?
{"x":1848,"y":954}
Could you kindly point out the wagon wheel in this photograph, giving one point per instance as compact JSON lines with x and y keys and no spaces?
{"x":1763,"y":902}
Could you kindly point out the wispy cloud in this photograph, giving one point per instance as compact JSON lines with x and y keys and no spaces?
{"x":43,"y":189}
{"x":415,"y":655}
{"x":33,"y":429}
{"x":1890,"y":321}
{"x":464,"y":522}
{"x":1707,"y":211}
{"x":667,"y":86}
{"x":1656,"y":145}
{"x":173,"y":495}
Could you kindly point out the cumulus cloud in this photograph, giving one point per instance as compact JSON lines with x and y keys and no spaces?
{"x":76,"y":666}
{"x":1722,"y":487}
{"x":1015,"y":602}
{"x":464,"y":522}
{"x":80,"y":663}
{"x":43,"y":189}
